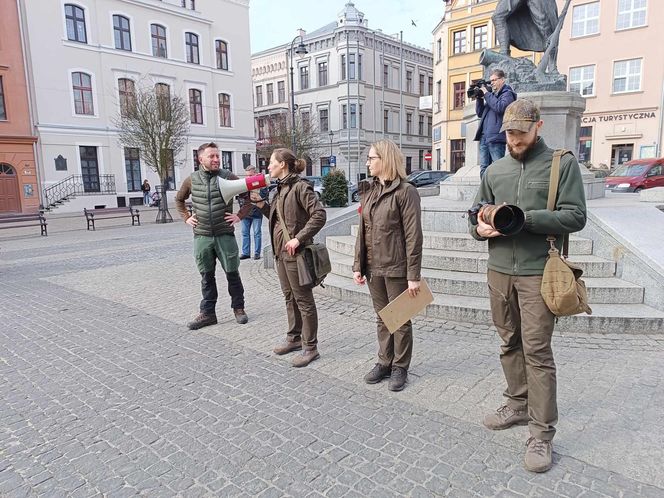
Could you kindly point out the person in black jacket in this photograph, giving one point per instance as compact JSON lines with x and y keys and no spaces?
{"x":490,"y":109}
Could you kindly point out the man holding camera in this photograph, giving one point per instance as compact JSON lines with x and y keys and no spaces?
{"x":489,"y":107}
{"x":515,"y":267}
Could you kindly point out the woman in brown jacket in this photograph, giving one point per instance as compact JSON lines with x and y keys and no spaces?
{"x":388,"y":254}
{"x":304,"y":217}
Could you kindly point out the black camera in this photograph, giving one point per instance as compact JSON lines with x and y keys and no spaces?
{"x":475,"y":89}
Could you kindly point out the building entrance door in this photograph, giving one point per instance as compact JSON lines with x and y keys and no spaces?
{"x":89,"y":169}
{"x":10,"y":197}
{"x":621,"y":154}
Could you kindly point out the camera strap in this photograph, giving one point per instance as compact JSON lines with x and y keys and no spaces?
{"x":554,"y":178}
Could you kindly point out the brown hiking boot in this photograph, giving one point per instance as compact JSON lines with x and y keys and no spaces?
{"x":539,"y":455}
{"x":305,"y":357}
{"x":288,"y":345}
{"x":240,"y":316}
{"x":504,"y":418}
{"x":377,"y":373}
{"x":202,"y":320}
{"x":398,"y":379}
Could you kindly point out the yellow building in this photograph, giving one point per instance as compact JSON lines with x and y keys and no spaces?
{"x":465,"y":30}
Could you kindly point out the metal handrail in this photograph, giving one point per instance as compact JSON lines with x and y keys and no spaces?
{"x":78,"y":185}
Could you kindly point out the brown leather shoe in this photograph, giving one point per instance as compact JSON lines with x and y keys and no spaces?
{"x":288,"y":345}
{"x":305,"y":357}
{"x":202,"y":320}
{"x":240,"y":316}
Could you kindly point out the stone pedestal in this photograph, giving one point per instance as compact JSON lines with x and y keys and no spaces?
{"x":561,"y":113}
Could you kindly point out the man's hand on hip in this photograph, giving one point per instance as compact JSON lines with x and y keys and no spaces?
{"x":192,"y":220}
{"x":232,"y":218}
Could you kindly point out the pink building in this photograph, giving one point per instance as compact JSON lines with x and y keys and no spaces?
{"x":612,"y":53}
{"x":18,"y":174}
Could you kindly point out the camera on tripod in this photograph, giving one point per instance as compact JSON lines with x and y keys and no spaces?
{"x":475,"y":89}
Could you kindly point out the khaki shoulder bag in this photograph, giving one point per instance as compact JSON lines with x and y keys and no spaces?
{"x":563,"y":290}
{"x":313,"y":261}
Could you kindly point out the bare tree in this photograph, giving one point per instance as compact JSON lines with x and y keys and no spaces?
{"x":308,"y":140}
{"x":157,"y":123}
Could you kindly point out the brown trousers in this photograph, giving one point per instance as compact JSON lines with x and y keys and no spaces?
{"x":393,"y":349}
{"x":525,"y":326}
{"x":300,"y":305}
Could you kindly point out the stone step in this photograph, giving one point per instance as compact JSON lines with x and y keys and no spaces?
{"x":456,"y":241}
{"x":606,"y":318}
{"x":600,"y":290}
{"x":470,"y":261}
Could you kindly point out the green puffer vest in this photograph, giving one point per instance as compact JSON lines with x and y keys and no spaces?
{"x":208,"y":204}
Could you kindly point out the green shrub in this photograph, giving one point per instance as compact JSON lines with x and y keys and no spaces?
{"x":335,"y":189}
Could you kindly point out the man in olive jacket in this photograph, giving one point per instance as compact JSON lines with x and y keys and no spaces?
{"x":515,"y":268}
{"x":212,"y":221}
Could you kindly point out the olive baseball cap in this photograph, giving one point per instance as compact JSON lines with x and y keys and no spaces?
{"x":520,"y":115}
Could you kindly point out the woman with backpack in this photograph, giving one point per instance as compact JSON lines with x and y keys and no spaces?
{"x":295,"y":216}
{"x":145,"y":188}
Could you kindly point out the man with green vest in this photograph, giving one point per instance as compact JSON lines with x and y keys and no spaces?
{"x":515,"y":267}
{"x":212,"y":221}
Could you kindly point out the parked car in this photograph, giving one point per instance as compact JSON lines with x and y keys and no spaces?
{"x":634,"y":176}
{"x":422,"y":177}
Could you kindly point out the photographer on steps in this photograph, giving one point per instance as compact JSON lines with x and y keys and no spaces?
{"x":490,"y":108}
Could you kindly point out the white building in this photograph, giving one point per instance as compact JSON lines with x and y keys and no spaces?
{"x":358,"y":85}
{"x":85,"y":56}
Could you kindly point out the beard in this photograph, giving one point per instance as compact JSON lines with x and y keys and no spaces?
{"x":523,"y":149}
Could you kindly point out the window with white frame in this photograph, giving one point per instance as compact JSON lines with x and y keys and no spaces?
{"x":627,"y":76}
{"x":631,"y":14}
{"x":221,"y":50}
{"x":582,"y":80}
{"x":224,"y":110}
{"x":121,"y":33}
{"x":158,"y":35}
{"x":191,"y":43}
{"x":196,"y":106}
{"x":459,"y":45}
{"x":82,"y":89}
{"x":480,"y":37}
{"x":75,"y":20}
{"x":585,"y":19}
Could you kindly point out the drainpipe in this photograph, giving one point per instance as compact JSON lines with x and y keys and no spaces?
{"x":660,"y":126}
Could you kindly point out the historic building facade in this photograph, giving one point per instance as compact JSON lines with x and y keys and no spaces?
{"x":611,"y":52}
{"x":86,"y":57}
{"x":19,"y":184}
{"x":354,"y":85}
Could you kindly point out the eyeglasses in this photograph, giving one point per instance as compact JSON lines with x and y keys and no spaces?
{"x":493,"y":80}
{"x":371,"y":158}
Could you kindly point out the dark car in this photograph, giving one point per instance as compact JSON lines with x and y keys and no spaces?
{"x":634,"y":176}
{"x":423,"y":177}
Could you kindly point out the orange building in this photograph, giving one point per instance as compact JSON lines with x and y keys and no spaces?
{"x":19,"y":188}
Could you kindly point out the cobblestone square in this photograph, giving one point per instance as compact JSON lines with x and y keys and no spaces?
{"x":104,"y":392}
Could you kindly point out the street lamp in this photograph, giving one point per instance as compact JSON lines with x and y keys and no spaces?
{"x":331,"y":137}
{"x":300,"y":50}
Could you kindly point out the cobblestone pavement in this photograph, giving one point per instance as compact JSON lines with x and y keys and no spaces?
{"x":104,"y":392}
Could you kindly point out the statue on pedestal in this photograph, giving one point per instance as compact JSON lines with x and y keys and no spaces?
{"x":530,"y":25}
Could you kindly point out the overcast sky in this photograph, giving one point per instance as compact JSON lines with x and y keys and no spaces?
{"x":275,"y":22}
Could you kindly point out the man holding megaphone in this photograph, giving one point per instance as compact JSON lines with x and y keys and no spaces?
{"x":212,"y":190}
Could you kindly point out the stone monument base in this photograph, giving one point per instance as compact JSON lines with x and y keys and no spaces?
{"x":561,"y":113}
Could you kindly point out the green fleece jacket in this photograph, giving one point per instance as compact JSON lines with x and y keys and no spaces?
{"x":526,"y":184}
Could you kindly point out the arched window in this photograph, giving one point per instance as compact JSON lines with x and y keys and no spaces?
{"x":127,"y":94}
{"x":163,"y":92}
{"x":121,"y":33}
{"x":75,"y":18}
{"x":224,"y":110}
{"x":191,"y":42}
{"x":82,"y":89}
{"x":196,"y":106}
{"x":158,"y":34}
{"x":221,"y":48}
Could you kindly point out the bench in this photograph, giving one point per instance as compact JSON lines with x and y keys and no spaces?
{"x":25,"y":220}
{"x":106,"y":213}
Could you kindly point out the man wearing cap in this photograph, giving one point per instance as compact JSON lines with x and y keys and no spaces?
{"x":252,"y":222}
{"x":515,"y":267}
{"x":490,"y":109}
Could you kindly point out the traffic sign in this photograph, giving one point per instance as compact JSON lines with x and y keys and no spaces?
{"x":427,"y":156}
{"x":333,"y":160}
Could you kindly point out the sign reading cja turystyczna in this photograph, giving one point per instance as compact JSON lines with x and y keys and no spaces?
{"x":623,"y":116}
